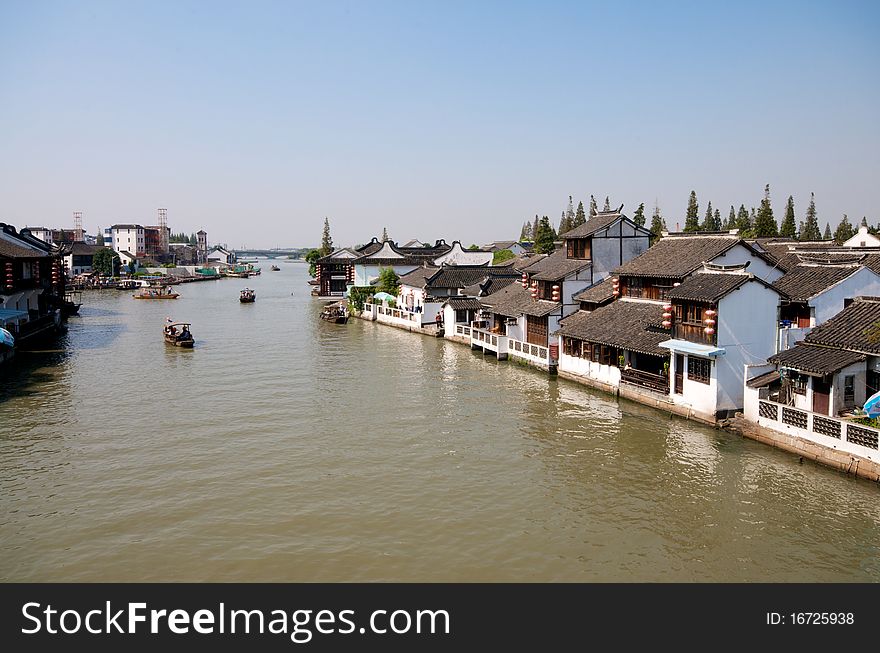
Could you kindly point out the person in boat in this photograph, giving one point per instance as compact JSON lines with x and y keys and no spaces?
{"x":184,"y":335}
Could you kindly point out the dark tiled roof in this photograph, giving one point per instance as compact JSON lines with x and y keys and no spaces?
{"x":458,"y":276}
{"x":708,"y":286}
{"x":418,"y":277}
{"x":598,"y":222}
{"x":857,"y":328}
{"x":598,"y":293}
{"x":127,"y":226}
{"x":624,"y":324}
{"x":555,"y":267}
{"x":818,"y":360}
{"x":805,"y":281}
{"x":464,"y":303}
{"x":677,"y":256}
{"x":514,"y":300}
{"x":492,"y":284}
{"x":763,"y":379}
{"x":14,"y":245}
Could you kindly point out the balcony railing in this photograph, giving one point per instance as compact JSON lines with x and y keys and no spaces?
{"x":490,"y":340}
{"x":527,"y":350}
{"x":463,"y":330}
{"x":693,"y":333}
{"x":832,"y":427}
{"x":656,"y":382}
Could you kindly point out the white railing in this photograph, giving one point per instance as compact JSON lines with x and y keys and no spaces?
{"x":528,"y":351}
{"x":829,"y":431}
{"x":490,"y":340}
{"x":398,"y":314}
{"x":462,"y":330}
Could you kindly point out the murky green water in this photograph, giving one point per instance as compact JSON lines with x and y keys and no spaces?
{"x":285,"y":448}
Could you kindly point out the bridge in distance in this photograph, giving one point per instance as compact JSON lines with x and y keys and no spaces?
{"x":271,"y":253}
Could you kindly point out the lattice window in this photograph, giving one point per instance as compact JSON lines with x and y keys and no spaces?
{"x":699,"y":369}
{"x":768,"y":411}
{"x":826,"y":426}
{"x":794,"y":417}
{"x":864,"y":437}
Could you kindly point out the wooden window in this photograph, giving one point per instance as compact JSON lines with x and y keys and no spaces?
{"x":578,"y":248}
{"x":699,"y":369}
{"x":536,"y":330}
{"x":572,"y":347}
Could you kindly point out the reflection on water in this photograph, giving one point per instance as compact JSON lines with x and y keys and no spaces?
{"x":286,"y":448}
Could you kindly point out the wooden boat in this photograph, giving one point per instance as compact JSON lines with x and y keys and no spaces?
{"x":335,"y":312}
{"x":178,"y":334}
{"x":156,"y":293}
{"x":71,"y":303}
{"x":247,"y":296}
{"x":275,"y":268}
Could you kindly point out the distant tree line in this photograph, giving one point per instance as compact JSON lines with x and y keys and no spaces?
{"x":183,"y":238}
{"x":755,"y":222}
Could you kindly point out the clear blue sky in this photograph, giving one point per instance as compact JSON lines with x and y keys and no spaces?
{"x":449,"y":119}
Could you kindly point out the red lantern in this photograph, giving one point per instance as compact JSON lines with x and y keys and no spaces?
{"x":709,"y":331}
{"x":709,"y":322}
{"x":525,"y":280}
{"x":666,"y":324}
{"x":667,"y":308}
{"x":555,"y":296}
{"x":667,"y":315}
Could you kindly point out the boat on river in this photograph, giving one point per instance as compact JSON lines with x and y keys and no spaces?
{"x":275,"y":268}
{"x":156,"y":293}
{"x":336,"y":312}
{"x":247,"y":296}
{"x":71,"y":303}
{"x":178,"y":334}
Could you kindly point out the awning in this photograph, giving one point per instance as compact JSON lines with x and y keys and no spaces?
{"x":763,"y":379}
{"x":9,"y":315}
{"x":688,"y":347}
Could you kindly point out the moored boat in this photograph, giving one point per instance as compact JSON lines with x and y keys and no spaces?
{"x":335,"y":312}
{"x":247,"y":296}
{"x":156,"y":293}
{"x":275,"y":268}
{"x":178,"y":334}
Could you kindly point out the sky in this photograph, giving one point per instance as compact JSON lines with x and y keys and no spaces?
{"x":457,"y":120}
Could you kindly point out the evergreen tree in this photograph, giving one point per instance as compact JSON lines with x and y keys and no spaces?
{"x":525,"y":234}
{"x":326,"y":240}
{"x":844,"y":231}
{"x":827,"y":235}
{"x":311,"y":258}
{"x":568,"y":217}
{"x":593,"y":208}
{"x":709,"y":220}
{"x":639,"y":215}
{"x":765,"y":223}
{"x":788,"y":230}
{"x":692,"y":220}
{"x":717,"y":221}
{"x":544,"y":239}
{"x":535,"y":226}
{"x":810,"y":230}
{"x":579,"y":217}
{"x":743,"y":222}
{"x":607,"y":206}
{"x":864,"y":222}
{"x":563,"y":223}
{"x":388,"y":281}
{"x":731,"y":219}
{"x":658,"y":225}
{"x":385,"y":234}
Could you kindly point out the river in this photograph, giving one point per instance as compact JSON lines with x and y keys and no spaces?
{"x":284,"y":448}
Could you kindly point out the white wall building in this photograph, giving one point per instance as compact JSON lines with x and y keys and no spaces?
{"x":128,"y":238}
{"x":863,"y":239}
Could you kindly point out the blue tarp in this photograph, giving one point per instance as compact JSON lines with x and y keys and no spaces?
{"x":9,"y":315}
{"x":6,"y":338}
{"x":872,"y":406}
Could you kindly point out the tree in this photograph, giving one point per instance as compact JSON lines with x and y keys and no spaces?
{"x":326,"y":240}
{"x":691,"y":219}
{"x":731,"y":219}
{"x":788,"y":228}
{"x":593,"y":208}
{"x":105,"y":262}
{"x":502,"y":255}
{"x":568,"y":217}
{"x":535,"y":228}
{"x":827,"y":235}
{"x":864,"y":222}
{"x":312,"y":258}
{"x":545,"y":238}
{"x":743,"y":222}
{"x":658,"y":225}
{"x":844,"y":231}
{"x":388,"y":282}
{"x":709,"y":220}
{"x":384,"y":234}
{"x":525,"y":234}
{"x":607,"y":206}
{"x":639,"y":215}
{"x":811,"y":226}
{"x":579,"y":216}
{"x":717,"y":220}
{"x":473,"y":247}
{"x":765,"y":224}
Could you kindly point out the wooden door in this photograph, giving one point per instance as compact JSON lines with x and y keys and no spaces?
{"x":821,"y":392}
{"x":679,"y":374}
